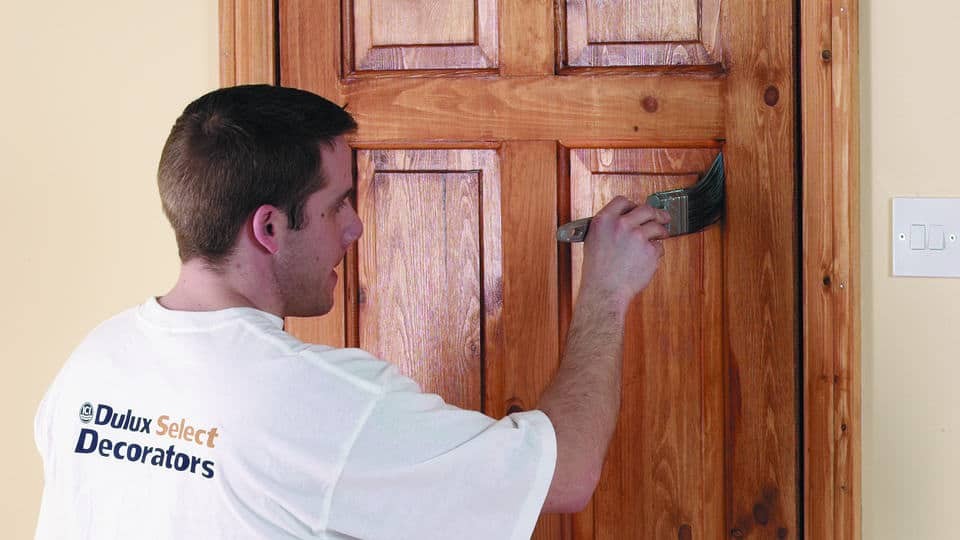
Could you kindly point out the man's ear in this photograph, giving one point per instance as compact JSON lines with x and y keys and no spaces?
{"x":269,"y":225}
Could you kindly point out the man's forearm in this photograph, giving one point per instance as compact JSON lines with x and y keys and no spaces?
{"x":584,"y":398}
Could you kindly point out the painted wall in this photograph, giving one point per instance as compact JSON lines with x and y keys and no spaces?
{"x":911,"y":326}
{"x":89,"y":93}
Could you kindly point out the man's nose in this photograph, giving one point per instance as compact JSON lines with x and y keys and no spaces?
{"x":352,"y":232}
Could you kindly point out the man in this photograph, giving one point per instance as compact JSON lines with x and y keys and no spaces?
{"x":194,"y":415}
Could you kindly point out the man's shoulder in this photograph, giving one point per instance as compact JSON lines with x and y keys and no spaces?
{"x":109,"y":330}
{"x":254,"y":340}
{"x":360,"y":367}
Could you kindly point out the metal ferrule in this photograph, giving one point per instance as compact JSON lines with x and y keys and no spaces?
{"x":575,"y":231}
{"x":676,"y":203}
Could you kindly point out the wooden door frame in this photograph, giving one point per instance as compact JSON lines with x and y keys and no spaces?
{"x":830,"y":238}
{"x":830,"y":183}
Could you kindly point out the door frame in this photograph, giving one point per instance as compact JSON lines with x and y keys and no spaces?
{"x":830,"y":238}
{"x":830,"y":183}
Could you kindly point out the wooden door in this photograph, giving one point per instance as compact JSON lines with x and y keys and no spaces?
{"x":486,"y":123}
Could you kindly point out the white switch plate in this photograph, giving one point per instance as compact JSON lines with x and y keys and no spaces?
{"x":911,"y":216}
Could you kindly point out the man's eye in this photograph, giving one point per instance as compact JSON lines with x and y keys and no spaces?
{"x":342,"y":204}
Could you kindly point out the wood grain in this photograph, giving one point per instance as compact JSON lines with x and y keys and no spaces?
{"x":529,"y":322}
{"x":640,"y":33}
{"x":831,"y":247}
{"x":640,"y":20}
{"x":538,"y":108}
{"x":310,"y":57}
{"x":528,"y":44}
{"x":227,"y":22}
{"x":761,"y":271}
{"x":423,"y":34}
{"x":425,"y":288}
{"x":418,"y":22}
{"x":658,"y":465}
{"x":420,"y":278}
{"x":247,"y":42}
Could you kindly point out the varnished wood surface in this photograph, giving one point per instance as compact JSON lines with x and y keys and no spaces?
{"x":420,"y":278}
{"x":528,"y":38}
{"x":414,"y":22}
{"x":599,"y":33}
{"x":640,"y":20}
{"x":530,"y":320}
{"x":430,"y":265}
{"x":246,"y":42}
{"x":538,"y":108}
{"x":397,"y":35}
{"x":311,"y":54}
{"x":761,"y":271}
{"x":831,"y":271}
{"x":664,"y":469}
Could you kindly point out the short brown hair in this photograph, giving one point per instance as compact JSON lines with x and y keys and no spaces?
{"x":235,"y":149}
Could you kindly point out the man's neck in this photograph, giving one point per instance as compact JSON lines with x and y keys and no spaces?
{"x":200,"y":288}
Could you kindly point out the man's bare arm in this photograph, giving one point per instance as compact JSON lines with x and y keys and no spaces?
{"x":583,"y":401}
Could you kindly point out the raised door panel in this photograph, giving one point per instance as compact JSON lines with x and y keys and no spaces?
{"x":604,"y":33}
{"x":397,"y":35}
{"x":664,"y":469}
{"x":430,"y":242}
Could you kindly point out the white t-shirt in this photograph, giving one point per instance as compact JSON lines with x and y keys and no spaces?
{"x":172,"y":424}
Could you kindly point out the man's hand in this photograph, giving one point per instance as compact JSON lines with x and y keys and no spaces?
{"x":623,"y":249}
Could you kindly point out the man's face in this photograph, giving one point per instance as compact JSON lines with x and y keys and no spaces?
{"x":305,"y":264}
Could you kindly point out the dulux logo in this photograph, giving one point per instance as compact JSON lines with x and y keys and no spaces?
{"x":106,"y":416}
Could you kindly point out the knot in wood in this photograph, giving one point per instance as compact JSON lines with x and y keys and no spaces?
{"x":650,"y":104}
{"x":771,"y":96}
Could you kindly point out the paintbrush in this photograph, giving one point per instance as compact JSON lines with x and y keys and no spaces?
{"x":691,"y":209}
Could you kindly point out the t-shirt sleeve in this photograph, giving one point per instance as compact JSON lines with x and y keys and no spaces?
{"x":421,"y":469}
{"x":41,"y":433}
{"x":42,"y":426}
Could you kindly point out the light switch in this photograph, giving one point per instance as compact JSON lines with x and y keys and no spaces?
{"x":918,"y":237}
{"x":925,"y":237}
{"x":936,"y":237}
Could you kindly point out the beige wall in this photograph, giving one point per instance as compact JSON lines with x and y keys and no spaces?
{"x":89,"y":92}
{"x":911,"y":326}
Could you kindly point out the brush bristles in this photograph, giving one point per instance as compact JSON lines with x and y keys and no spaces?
{"x":705,"y":198}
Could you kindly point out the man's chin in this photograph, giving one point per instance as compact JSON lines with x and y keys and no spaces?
{"x":313,"y":311}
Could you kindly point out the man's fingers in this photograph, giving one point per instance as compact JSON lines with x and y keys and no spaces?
{"x":644,"y":213}
{"x":658,"y":245}
{"x":663,"y":217}
{"x":652,"y":230}
{"x":638,"y":216}
{"x":618,"y":206}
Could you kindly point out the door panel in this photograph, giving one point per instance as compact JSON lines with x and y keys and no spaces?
{"x":423,"y":34}
{"x":641,"y":20}
{"x":432,"y":231}
{"x":641,"y":33}
{"x":486,"y":123}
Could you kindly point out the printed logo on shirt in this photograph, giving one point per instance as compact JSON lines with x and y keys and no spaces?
{"x":92,"y":441}
{"x":86,"y":412}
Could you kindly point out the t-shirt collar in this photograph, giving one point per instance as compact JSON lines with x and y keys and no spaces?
{"x":156,"y":313}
